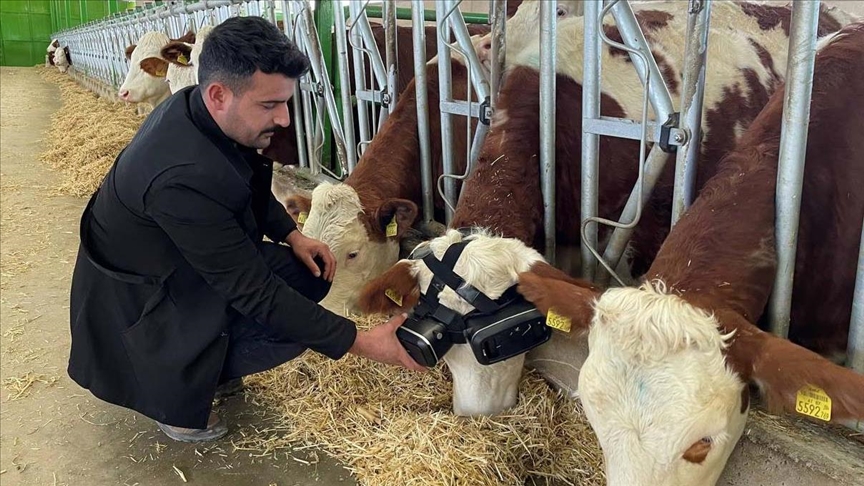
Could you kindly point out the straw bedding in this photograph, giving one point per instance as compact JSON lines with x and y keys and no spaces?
{"x":393,"y":426}
{"x":389,"y":426}
{"x":86,"y":135}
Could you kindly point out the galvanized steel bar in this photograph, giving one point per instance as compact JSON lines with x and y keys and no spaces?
{"x":420,"y":82}
{"x":344,"y":87}
{"x":446,"y":94}
{"x":590,"y":141}
{"x":309,"y":34}
{"x":633,"y":37}
{"x":548,"y":48}
{"x":390,"y":39}
{"x":303,"y":149}
{"x":855,"y":346}
{"x":359,"y":78}
{"x":463,"y":39}
{"x":498,"y":17}
{"x":653,"y":167}
{"x":793,"y":147}
{"x":692,"y":95}
{"x":362,"y":24}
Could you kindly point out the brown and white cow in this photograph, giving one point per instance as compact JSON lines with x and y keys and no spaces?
{"x":665,"y":385}
{"x":352,"y":217}
{"x":55,"y":43}
{"x":62,"y":58}
{"x":145,"y":81}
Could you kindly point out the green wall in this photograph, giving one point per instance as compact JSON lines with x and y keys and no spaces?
{"x":25,"y":31}
{"x":26,"y":25}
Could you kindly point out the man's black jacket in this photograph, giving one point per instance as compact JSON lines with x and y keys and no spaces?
{"x":168,"y":260}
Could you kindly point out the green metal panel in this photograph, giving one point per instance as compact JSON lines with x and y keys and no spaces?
{"x":25,"y":31}
{"x":74,"y":13}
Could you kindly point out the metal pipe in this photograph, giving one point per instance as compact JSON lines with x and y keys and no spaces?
{"x":362,"y":23}
{"x":793,"y":147}
{"x":296,"y":100}
{"x":548,"y":47}
{"x":855,"y":346}
{"x":692,"y":96}
{"x":404,"y":13}
{"x":499,"y":43}
{"x":463,"y":39}
{"x":310,"y":37}
{"x":344,"y":87}
{"x":359,"y":80}
{"x":653,"y":167}
{"x":390,"y":52}
{"x":418,"y":31}
{"x":446,"y":94}
{"x":633,"y":37}
{"x":590,"y":141}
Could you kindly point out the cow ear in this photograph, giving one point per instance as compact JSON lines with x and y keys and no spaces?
{"x":177,"y":52}
{"x":396,"y":290}
{"x":188,"y":37}
{"x":129,"y":51}
{"x":568,"y":298}
{"x":154,"y":66}
{"x":298,"y":207}
{"x":793,"y":379}
{"x":394,"y":217}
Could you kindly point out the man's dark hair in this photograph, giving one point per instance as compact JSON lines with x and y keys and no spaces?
{"x":238,"y":47}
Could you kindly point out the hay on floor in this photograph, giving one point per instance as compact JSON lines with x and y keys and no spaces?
{"x":87,"y":133}
{"x":393,"y":426}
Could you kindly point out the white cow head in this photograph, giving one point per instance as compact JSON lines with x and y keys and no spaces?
{"x":358,"y":237}
{"x":665,"y":383}
{"x":182,"y":60}
{"x":489,"y":263}
{"x":61,"y":59}
{"x":145,"y":81}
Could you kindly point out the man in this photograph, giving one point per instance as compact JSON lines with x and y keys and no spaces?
{"x":174,"y":291}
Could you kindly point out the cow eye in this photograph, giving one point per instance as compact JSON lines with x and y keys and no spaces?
{"x":562,"y":11}
{"x":353,"y":255}
{"x":697,"y":452}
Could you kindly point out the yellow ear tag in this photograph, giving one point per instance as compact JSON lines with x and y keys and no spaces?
{"x":392,"y":295}
{"x":182,"y":59}
{"x":392,"y":228}
{"x":813,"y":402}
{"x":301,"y":218}
{"x":557,"y":321}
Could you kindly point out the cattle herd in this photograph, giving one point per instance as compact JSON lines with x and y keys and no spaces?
{"x":663,"y":365}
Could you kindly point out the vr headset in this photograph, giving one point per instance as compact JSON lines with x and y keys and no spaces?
{"x":496,"y":330}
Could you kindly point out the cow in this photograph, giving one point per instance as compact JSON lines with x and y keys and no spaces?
{"x":491,"y":264}
{"x":145,"y":81}
{"x":62,"y":58}
{"x":385,"y":189}
{"x":55,"y":43}
{"x":503,"y":196}
{"x":665,"y":383}
{"x":182,"y":60}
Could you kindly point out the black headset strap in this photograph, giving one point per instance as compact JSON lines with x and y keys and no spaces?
{"x":443,"y":270}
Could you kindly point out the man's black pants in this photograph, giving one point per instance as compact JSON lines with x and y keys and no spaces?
{"x":251,"y":347}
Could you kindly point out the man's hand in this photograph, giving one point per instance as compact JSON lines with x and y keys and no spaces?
{"x":380,"y":344}
{"x":307,"y":249}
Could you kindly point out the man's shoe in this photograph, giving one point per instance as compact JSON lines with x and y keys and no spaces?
{"x":229,"y":388}
{"x":215,"y":429}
